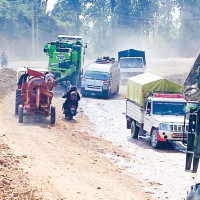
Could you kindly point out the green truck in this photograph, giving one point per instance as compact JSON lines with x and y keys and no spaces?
{"x":66,"y":58}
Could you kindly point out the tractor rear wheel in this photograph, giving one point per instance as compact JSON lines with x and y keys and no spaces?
{"x":20,"y":113}
{"x":18,"y":100}
{"x":53,"y":115}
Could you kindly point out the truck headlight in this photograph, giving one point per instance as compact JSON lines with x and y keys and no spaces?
{"x":164,"y":126}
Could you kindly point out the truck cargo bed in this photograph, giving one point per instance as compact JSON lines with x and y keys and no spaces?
{"x":135,"y":111}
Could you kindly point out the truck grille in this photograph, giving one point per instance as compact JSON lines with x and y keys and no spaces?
{"x":178,"y":128}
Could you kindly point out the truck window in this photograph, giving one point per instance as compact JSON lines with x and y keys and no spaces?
{"x":97,"y":75}
{"x":131,"y":62}
{"x":169,"y":108}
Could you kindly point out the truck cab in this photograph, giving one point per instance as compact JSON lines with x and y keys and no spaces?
{"x":164,"y":114}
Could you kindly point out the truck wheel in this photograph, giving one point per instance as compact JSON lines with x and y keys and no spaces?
{"x":154,"y":139}
{"x":195,"y":165}
{"x":134,"y":130}
{"x":53,"y":115}
{"x":18,"y":100}
{"x":20,"y":113}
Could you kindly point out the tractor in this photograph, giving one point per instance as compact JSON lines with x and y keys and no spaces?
{"x":33,"y":94}
{"x":66,"y":56}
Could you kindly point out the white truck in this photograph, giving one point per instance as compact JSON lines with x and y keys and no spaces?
{"x":160,"y":114}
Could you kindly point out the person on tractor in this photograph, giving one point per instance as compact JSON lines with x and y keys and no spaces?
{"x":72,"y":96}
{"x":50,"y":80}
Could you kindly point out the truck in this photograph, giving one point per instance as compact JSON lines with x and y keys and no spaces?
{"x":66,"y":58}
{"x":155,"y":107}
{"x":132,"y":62}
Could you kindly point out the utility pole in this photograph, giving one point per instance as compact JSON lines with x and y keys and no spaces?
{"x":76,"y":7}
{"x":37,"y":32}
{"x":33,"y":31}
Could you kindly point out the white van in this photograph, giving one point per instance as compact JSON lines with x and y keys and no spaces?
{"x":102,"y":78}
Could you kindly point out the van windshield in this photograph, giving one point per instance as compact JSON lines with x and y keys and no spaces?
{"x":131,"y":62}
{"x":97,"y":75}
{"x":169,"y":108}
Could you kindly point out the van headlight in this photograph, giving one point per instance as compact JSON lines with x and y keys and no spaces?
{"x":164,"y":126}
{"x":105,"y":85}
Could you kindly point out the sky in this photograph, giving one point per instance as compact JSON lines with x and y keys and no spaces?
{"x":50,"y":4}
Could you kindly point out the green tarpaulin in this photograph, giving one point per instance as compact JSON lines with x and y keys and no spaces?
{"x":140,"y":86}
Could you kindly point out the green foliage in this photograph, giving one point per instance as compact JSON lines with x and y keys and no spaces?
{"x":99,"y":20}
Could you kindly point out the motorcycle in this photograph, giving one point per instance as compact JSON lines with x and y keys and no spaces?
{"x":70,"y":110}
{"x":71,"y":104}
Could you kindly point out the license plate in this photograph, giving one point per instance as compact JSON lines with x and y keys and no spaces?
{"x":92,"y":93}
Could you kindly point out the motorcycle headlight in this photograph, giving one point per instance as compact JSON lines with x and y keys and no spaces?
{"x":164,"y":126}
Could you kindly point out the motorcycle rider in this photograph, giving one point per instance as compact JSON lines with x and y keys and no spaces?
{"x":72,"y":96}
{"x":4,"y":59}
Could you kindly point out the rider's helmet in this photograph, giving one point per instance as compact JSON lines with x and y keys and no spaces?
{"x":73,"y":88}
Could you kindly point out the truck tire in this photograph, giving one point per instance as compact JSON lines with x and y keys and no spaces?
{"x":195,"y":164}
{"x":134,"y":130}
{"x":18,"y":100}
{"x":53,"y":115}
{"x":154,"y":140}
{"x":20,"y":113}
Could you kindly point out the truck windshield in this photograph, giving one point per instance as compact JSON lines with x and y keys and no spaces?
{"x":131,"y":62}
{"x":168,"y":108}
{"x":97,"y":75}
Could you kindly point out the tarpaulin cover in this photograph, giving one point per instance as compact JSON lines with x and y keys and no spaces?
{"x":140,"y":86}
{"x":132,"y":53}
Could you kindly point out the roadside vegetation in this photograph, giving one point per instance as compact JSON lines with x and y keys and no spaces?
{"x":165,"y":24}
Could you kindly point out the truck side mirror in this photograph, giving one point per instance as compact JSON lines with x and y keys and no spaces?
{"x":148,"y":111}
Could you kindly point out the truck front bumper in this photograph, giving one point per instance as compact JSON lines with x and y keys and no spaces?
{"x":174,"y":136}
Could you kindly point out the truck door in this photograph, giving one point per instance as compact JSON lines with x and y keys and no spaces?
{"x":147,"y":117}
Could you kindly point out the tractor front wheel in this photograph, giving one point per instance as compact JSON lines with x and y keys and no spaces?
{"x":20,"y":113}
{"x":53,"y":115}
{"x":18,"y":100}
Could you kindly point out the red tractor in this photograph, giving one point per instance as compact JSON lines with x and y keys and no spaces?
{"x":34,"y":95}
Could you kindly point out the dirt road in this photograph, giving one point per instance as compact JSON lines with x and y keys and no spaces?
{"x":64,"y":161}
{"x":91,"y":157}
